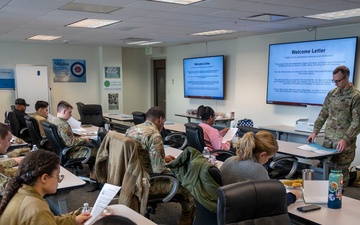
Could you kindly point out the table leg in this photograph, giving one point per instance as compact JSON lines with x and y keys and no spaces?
{"x":61,"y":201}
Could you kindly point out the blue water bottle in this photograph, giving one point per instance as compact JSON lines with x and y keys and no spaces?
{"x":335,"y":189}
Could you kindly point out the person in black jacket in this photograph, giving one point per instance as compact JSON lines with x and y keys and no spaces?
{"x":20,"y":108}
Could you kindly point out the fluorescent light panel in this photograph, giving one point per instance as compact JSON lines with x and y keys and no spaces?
{"x":181,"y":2}
{"x":214,"y":32}
{"x":93,"y":23}
{"x":336,"y":15}
{"x":43,"y":37}
{"x":144,"y":43}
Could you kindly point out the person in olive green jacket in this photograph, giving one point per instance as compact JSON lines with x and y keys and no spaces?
{"x":23,"y":202}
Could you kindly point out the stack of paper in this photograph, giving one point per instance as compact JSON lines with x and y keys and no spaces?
{"x":315,"y":191}
{"x":315,"y":147}
{"x":229,"y":135}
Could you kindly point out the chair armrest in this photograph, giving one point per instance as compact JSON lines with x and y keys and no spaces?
{"x":286,"y":157}
{"x":223,"y":152}
{"x":22,"y":130}
{"x":43,"y":141}
{"x":174,"y":188}
{"x":179,"y":134}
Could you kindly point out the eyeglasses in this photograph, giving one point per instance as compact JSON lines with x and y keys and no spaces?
{"x":60,"y":177}
{"x":338,"y":81}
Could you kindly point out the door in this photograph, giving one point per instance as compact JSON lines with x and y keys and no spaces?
{"x":160,"y":83}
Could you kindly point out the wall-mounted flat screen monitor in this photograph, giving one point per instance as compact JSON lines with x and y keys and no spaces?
{"x":204,"y":77}
{"x":300,"y":73}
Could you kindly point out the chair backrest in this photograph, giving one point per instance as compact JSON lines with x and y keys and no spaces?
{"x":79,"y":105}
{"x":34,"y":130}
{"x":195,"y":136}
{"x":203,"y":215}
{"x":139,"y":117}
{"x":14,"y":123}
{"x":252,"y":202}
{"x":57,"y":144}
{"x":92,"y":114}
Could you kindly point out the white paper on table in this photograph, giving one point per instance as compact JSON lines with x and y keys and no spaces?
{"x":74,"y":123}
{"x":229,"y":135}
{"x":50,"y":118}
{"x":105,"y":196}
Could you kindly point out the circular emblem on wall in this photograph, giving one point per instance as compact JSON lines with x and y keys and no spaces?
{"x":78,"y":69}
{"x":107,"y":83}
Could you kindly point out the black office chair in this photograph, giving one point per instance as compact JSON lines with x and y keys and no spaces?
{"x":15,"y":127}
{"x":58,"y":146}
{"x":279,"y":167}
{"x":92,"y":114}
{"x":79,"y":105}
{"x":252,"y":202}
{"x":34,"y":131}
{"x":139,"y":117}
{"x":195,"y":138}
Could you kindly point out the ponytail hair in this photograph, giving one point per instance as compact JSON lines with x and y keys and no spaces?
{"x":204,"y":112}
{"x":253,"y":144}
{"x":33,"y":166}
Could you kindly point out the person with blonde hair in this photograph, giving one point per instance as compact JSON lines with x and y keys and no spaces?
{"x":252,"y":152}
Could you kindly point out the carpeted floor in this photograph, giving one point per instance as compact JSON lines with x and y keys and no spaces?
{"x":166,"y":213}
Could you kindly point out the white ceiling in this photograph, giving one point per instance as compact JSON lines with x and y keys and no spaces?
{"x":168,"y":23}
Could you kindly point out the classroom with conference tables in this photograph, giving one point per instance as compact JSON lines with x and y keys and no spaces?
{"x":179,"y":112}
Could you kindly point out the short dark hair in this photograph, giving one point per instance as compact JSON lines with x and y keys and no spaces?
{"x":155,"y":113}
{"x":343,"y":69}
{"x":41,"y":104}
{"x":63,"y":105}
{"x":4,"y":130}
{"x":114,"y":220}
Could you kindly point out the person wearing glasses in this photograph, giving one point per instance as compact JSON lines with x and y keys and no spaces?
{"x":23,"y":202}
{"x":341,"y":113}
{"x":212,"y":136}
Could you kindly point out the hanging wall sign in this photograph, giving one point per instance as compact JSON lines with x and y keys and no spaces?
{"x":69,"y":70}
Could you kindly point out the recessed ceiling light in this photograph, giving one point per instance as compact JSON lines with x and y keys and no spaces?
{"x":43,"y":37}
{"x":93,"y":23}
{"x":336,"y":15}
{"x":182,"y":2}
{"x":214,"y":32}
{"x":266,"y":17}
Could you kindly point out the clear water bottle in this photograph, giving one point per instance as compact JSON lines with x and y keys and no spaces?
{"x":335,"y":189}
{"x":34,"y":148}
{"x":206,"y":153}
{"x":85,"y":208}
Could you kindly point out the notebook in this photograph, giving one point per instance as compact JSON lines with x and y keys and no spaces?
{"x":315,"y":191}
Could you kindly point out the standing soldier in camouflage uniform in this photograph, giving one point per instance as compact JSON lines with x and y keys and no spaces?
{"x":6,"y":165}
{"x":64,"y":112}
{"x":152,"y":158}
{"x":341,"y":111}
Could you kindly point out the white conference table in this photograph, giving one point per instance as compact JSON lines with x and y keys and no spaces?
{"x":123,"y":210}
{"x":291,"y":148}
{"x":191,"y":116}
{"x":175,"y":127}
{"x":118,"y":116}
{"x":347,"y":214}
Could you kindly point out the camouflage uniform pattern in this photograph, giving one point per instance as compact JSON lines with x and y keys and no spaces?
{"x":341,"y":112}
{"x":152,"y":158}
{"x":70,"y":140}
{"x":40,"y":118}
{"x":7,"y":172}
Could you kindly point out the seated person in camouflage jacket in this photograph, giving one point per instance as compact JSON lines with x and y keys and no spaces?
{"x":7,"y":170}
{"x":64,"y":112}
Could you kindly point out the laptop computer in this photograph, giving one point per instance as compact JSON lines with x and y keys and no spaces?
{"x":315,"y":191}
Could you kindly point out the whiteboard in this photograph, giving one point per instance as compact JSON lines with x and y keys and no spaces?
{"x":31,"y":84}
